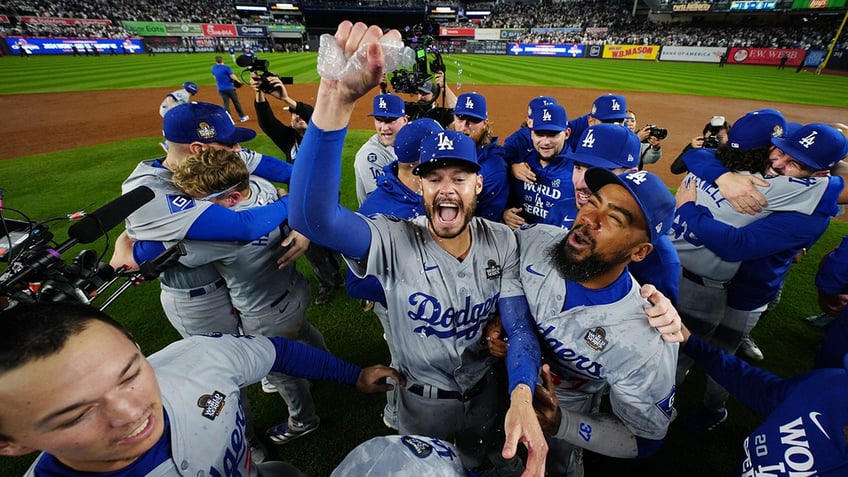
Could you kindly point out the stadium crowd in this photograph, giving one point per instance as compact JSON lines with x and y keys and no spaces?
{"x":593,"y":22}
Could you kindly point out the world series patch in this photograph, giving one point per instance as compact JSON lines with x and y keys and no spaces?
{"x":493,"y":270}
{"x":418,"y":447}
{"x":212,"y":404}
{"x":596,"y":338}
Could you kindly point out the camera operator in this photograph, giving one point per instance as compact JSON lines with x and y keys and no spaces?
{"x":714,"y":134}
{"x":326,"y":265}
{"x":435,"y":101}
{"x":651,"y":150}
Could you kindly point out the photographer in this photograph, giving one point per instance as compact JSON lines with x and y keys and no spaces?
{"x":435,"y":101}
{"x":651,"y":150}
{"x":714,"y":134}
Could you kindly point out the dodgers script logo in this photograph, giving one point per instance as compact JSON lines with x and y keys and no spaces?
{"x":449,"y":322}
{"x":236,"y":458}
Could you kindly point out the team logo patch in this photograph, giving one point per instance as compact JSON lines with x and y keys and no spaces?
{"x":493,"y":270}
{"x":666,"y":404}
{"x":596,"y":338}
{"x":212,"y":404}
{"x":418,"y":447}
{"x":179,"y":203}
{"x":205,"y":131}
{"x":371,"y":157}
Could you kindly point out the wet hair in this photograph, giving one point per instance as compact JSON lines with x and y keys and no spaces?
{"x":211,"y":171}
{"x":33,"y":331}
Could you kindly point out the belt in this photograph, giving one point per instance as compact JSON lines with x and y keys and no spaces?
{"x":432,"y":392}
{"x":704,"y":282}
{"x":206,"y":289}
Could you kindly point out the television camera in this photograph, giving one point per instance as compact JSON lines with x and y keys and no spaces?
{"x":253,"y":64}
{"x":409,"y":80}
{"x":37,"y":272}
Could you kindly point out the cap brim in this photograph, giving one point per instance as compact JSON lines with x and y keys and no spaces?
{"x":597,"y":177}
{"x":239,"y":135}
{"x":550,"y":128}
{"x":470,"y":115}
{"x":381,"y":115}
{"x":427,"y":166}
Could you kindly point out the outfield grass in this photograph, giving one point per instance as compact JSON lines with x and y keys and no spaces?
{"x":67,"y":73}
{"x":86,"y":178}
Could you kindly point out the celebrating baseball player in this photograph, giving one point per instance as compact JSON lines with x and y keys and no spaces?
{"x":444,"y":275}
{"x":76,"y":386}
{"x":389,"y":117}
{"x":590,"y":313}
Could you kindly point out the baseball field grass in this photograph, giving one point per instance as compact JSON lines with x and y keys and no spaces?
{"x":55,"y":184}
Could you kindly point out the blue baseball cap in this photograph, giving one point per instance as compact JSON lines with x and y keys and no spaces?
{"x":388,"y":106}
{"x":202,"y":122}
{"x":791,"y":127}
{"x":650,"y":192}
{"x":446,"y":147}
{"x":756,"y":129}
{"x":190,"y":87}
{"x":609,"y":146}
{"x":818,"y":146}
{"x":609,"y":107}
{"x":471,"y":104}
{"x":540,"y":101}
{"x":408,"y":140}
{"x":551,"y":117}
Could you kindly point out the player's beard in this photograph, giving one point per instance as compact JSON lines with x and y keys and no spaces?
{"x":467,"y":211}
{"x":563,"y":258}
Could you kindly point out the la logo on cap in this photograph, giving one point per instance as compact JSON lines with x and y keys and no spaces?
{"x":445,"y":143}
{"x":615,"y":106}
{"x":546,"y":115}
{"x":589,"y":140}
{"x":469,"y":103}
{"x":382,"y":104}
{"x":637,"y":177}
{"x":809,"y":140}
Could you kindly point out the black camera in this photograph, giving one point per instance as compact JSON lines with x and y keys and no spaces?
{"x":408,"y":81}
{"x":255,"y":65}
{"x":711,"y":142}
{"x":657,"y":132}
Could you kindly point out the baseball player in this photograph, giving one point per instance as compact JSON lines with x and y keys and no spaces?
{"x":196,"y":301}
{"x":270,"y":300}
{"x":180,"y":96}
{"x":616,"y":148}
{"x":397,"y":194}
{"x":803,"y":417}
{"x":590,"y":314}
{"x":96,"y":406}
{"x":609,"y":108}
{"x":550,"y":172}
{"x":520,"y":143}
{"x":712,"y":305}
{"x":389,"y":117}
{"x":444,"y":274}
{"x":470,"y":117}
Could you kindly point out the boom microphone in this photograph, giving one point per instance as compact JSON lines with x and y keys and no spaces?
{"x":97,"y":223}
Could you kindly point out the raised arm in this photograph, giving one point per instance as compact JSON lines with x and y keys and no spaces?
{"x":314,"y":191}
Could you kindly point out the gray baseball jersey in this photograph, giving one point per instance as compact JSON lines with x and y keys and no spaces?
{"x":199,"y":378}
{"x":784,"y":194}
{"x":401,"y":456}
{"x":368,"y":165}
{"x":438,"y":305}
{"x":180,"y":96}
{"x":594,"y":346}
{"x":257,"y":286}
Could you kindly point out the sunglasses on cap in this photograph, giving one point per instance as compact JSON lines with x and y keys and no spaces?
{"x":215,"y":195}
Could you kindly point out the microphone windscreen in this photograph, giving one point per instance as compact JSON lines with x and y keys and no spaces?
{"x":97,"y":223}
